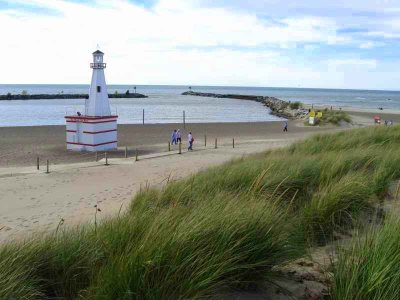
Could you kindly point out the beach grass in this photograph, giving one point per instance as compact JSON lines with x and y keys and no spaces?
{"x":295,"y":105}
{"x":369,"y":267}
{"x":226,"y":227}
{"x":334,"y":117}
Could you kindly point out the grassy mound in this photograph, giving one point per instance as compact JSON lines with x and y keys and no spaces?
{"x":223,"y":228}
{"x":334,"y":117}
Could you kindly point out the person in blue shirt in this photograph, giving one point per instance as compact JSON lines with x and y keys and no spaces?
{"x":173,"y":138}
{"x":285,"y":126}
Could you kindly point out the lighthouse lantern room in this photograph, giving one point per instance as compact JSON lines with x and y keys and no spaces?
{"x":96,"y":129}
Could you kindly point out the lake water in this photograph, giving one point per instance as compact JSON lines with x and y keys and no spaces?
{"x":166,"y":104}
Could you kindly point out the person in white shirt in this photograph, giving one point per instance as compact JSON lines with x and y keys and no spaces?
{"x":178,"y":136}
{"x":190,"y":141}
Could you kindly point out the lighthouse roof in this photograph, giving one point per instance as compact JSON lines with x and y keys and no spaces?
{"x":98,"y":52}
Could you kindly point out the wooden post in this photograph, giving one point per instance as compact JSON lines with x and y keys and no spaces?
{"x":143,"y":117}
{"x":233,"y":143}
{"x":180,"y":148}
{"x":106,"y":157}
{"x":205,"y":140}
{"x":184,"y":120}
{"x":97,"y":157}
{"x":216,"y":143}
{"x":47,"y":167}
{"x":136,"y":155}
{"x":169,"y":146}
{"x":37,"y":162}
{"x":126,"y":152}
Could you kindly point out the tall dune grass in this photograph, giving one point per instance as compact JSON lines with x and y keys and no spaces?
{"x":223,"y":228}
{"x":369,"y":268}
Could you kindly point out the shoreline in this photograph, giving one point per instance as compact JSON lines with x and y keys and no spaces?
{"x":24,"y":144}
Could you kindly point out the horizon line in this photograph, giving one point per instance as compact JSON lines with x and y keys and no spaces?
{"x":208,"y":85}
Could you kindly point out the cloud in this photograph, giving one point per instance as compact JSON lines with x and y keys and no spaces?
{"x":182,"y":42}
{"x":351,"y":63}
{"x":371,"y":44}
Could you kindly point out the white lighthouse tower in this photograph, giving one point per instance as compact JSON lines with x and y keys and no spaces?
{"x":96,"y":130}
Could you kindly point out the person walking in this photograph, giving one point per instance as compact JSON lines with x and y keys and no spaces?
{"x":285,"y":126}
{"x":173,"y":137}
{"x":178,"y":136}
{"x":190,"y":141}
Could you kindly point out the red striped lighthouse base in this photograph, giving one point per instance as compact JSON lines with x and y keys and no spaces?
{"x":86,"y":133}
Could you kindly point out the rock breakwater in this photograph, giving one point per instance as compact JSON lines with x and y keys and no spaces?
{"x":278,"y":107}
{"x":64,"y":96}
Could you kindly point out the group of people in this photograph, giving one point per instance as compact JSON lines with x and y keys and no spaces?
{"x":176,"y":138}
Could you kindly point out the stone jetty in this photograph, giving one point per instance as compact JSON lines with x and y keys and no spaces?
{"x":10,"y":96}
{"x":278,"y":107}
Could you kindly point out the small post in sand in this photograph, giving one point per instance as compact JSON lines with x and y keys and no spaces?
{"x":143,"y":117}
{"x":37,"y":162}
{"x":233,"y":143}
{"x":169,"y":146}
{"x":97,"y":156}
{"x":184,"y":120}
{"x":126,"y":152}
{"x":216,"y":143}
{"x":205,"y":140}
{"x":47,"y":167}
{"x":136,"y":155}
{"x":180,"y":148}
{"x":106,"y":157}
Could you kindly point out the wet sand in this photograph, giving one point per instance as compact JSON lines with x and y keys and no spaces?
{"x":19,"y":146}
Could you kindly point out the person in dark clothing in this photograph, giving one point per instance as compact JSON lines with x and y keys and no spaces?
{"x":285,"y":126}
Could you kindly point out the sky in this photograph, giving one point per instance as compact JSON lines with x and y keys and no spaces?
{"x":351,"y":44}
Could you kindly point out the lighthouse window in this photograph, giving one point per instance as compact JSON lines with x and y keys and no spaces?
{"x":98,"y":89}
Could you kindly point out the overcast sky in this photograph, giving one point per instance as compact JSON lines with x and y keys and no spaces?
{"x":290,"y":43}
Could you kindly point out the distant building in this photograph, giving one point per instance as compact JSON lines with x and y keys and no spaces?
{"x":96,"y":129}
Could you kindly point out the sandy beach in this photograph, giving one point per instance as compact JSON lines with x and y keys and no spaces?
{"x":24,"y":144}
{"x":34,"y":201}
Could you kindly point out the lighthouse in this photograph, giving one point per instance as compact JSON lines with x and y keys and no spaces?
{"x":96,"y":129}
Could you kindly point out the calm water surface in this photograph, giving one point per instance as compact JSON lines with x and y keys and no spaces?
{"x":166,"y":105}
